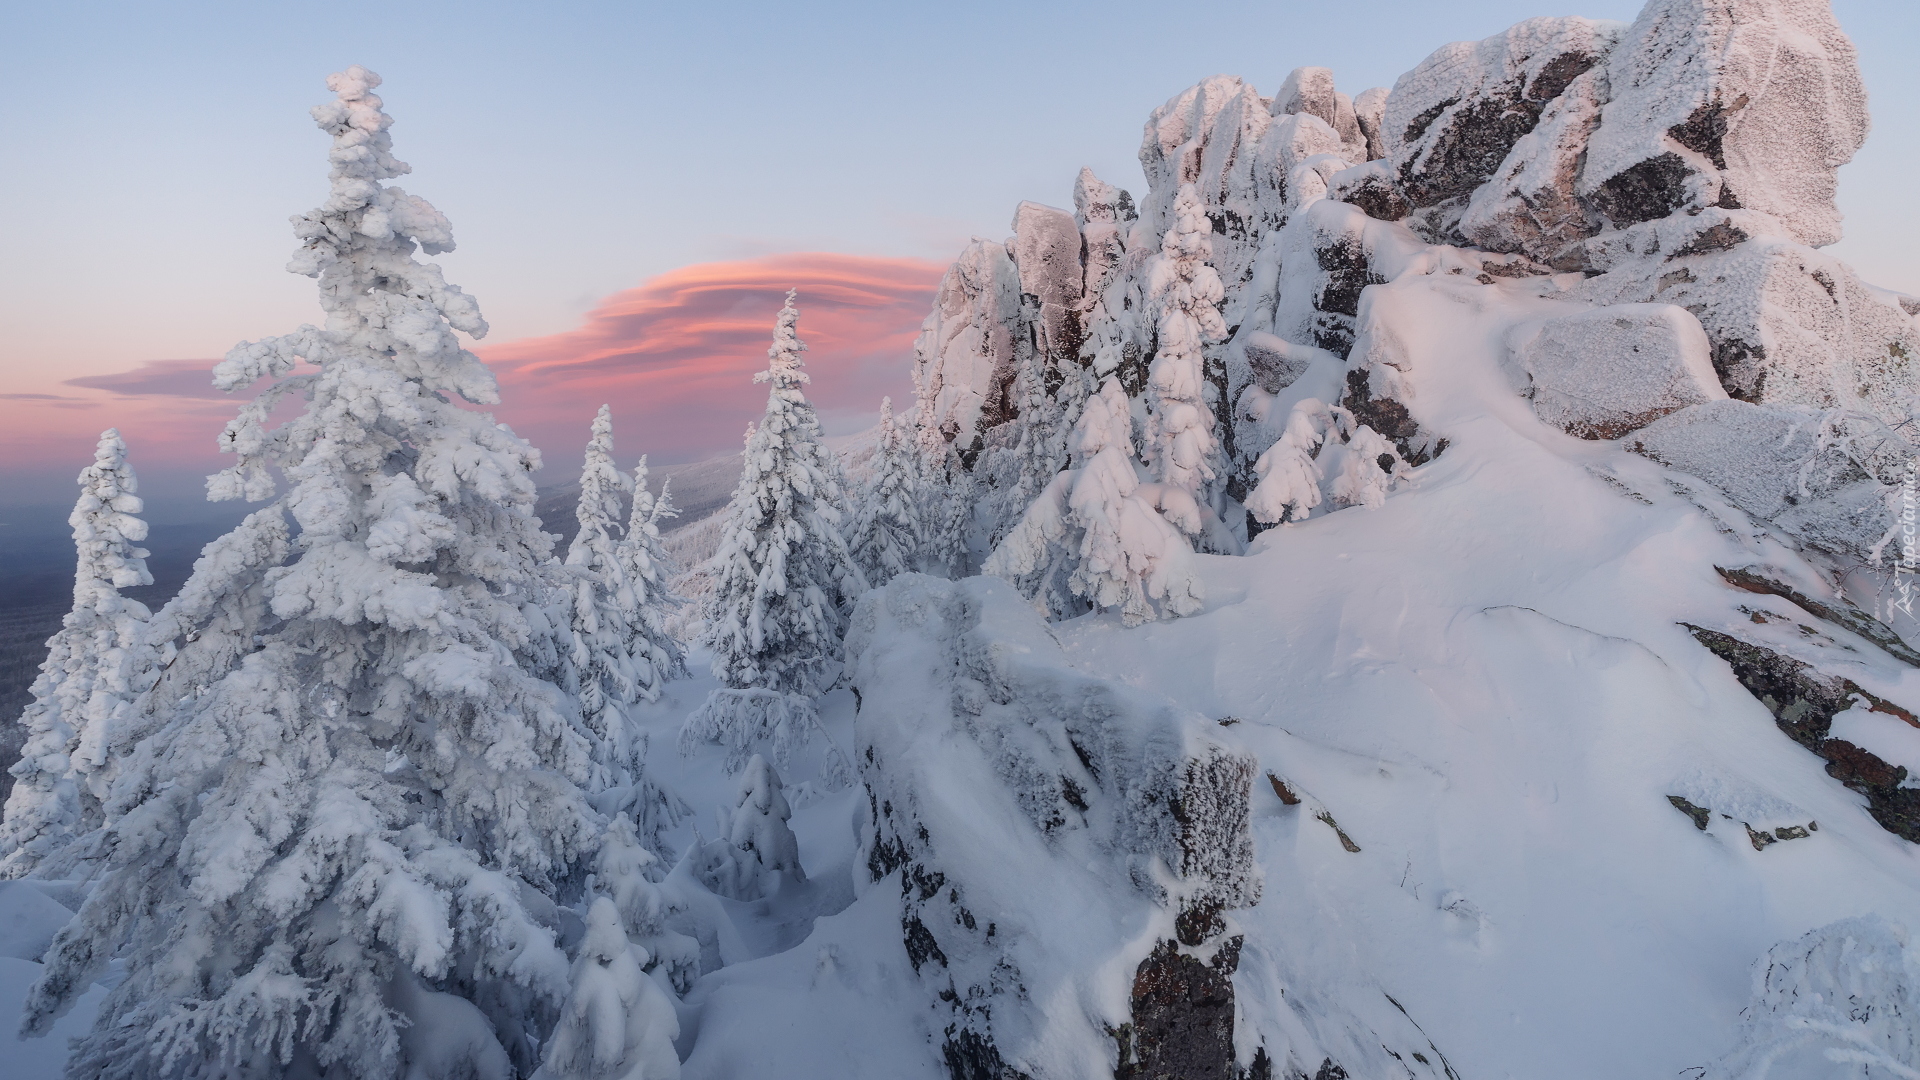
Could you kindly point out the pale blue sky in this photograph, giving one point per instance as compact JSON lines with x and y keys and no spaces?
{"x":154,"y":151}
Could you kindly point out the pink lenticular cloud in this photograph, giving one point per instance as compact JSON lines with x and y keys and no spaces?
{"x":676,"y":356}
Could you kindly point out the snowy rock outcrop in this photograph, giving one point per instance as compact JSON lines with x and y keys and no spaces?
{"x":1601,"y":373}
{"x":1729,"y":103}
{"x":964,"y":358}
{"x":1789,"y":325}
{"x":1824,"y":482}
{"x":1453,"y":120}
{"x":1069,"y":854}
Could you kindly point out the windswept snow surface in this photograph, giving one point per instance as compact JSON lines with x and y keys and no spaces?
{"x":1486,"y":683}
{"x":1484,"y":686}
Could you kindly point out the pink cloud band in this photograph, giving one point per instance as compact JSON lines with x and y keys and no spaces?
{"x":675,"y":356}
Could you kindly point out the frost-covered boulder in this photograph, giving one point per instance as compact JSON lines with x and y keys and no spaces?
{"x":1280,"y":187}
{"x":1822,"y":479}
{"x":1204,"y":136}
{"x":1729,"y":103}
{"x":1276,"y":362}
{"x":1370,"y":112}
{"x":1602,"y":373}
{"x":1529,"y":205}
{"x":1104,"y":214}
{"x":1789,"y":325}
{"x":1453,"y":119}
{"x":1046,"y":255}
{"x":1310,"y":90}
{"x":1371,"y":188}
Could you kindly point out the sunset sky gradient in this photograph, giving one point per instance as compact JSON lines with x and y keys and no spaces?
{"x":674,"y":356}
{"x":635,"y":184}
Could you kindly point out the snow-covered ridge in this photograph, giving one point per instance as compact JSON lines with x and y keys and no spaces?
{"x":1423,"y":590}
{"x":1540,"y":522}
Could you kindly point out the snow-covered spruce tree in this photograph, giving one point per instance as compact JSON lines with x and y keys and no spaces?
{"x":620,"y":652}
{"x":1183,"y":450}
{"x":96,"y":665}
{"x":759,"y":851}
{"x":948,"y":491}
{"x":1099,"y":535}
{"x":658,"y":655}
{"x":617,"y":1023}
{"x":783,"y":579}
{"x":627,"y":872}
{"x":1363,"y":462}
{"x":328,"y":858}
{"x":602,"y":673}
{"x":885,"y":540}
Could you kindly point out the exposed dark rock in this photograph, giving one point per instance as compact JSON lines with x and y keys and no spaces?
{"x":1840,"y":612}
{"x":1281,"y":788}
{"x":1700,"y":814}
{"x":1719,"y":236}
{"x":1376,"y":195}
{"x":1460,"y":112}
{"x":1804,"y":702}
{"x":1391,"y":419}
{"x":1182,"y":1016}
{"x":971,"y":1057}
{"x":1347,"y":272}
{"x":921,"y":946}
{"x":1654,"y":188}
{"x":1470,"y":149}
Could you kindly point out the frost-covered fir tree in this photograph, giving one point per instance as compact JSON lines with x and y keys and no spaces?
{"x":658,"y":655}
{"x":628,"y":873}
{"x":1293,"y":478}
{"x":602,"y":672}
{"x":947,"y":504}
{"x":1183,"y":450}
{"x":759,"y":851}
{"x":340,"y":841}
{"x":885,"y":540}
{"x":621,"y":653}
{"x":617,"y":1023}
{"x":95,"y":667}
{"x":1030,"y":449}
{"x":783,"y":580}
{"x":1099,"y":534}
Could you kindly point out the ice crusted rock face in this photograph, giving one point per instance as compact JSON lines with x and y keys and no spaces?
{"x":1730,"y":103}
{"x":1452,"y":120}
{"x":964,"y":357}
{"x":1600,"y":374}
